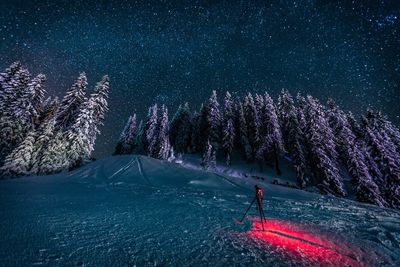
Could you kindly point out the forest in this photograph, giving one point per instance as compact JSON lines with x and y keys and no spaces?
{"x":323,"y":142}
{"x":41,"y":135}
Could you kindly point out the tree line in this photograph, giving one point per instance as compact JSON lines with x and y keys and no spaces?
{"x":322,"y":142}
{"x":41,"y":135}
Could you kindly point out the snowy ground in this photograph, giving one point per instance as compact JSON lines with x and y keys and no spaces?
{"x":130,"y":210}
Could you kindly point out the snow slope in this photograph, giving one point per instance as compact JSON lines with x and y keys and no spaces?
{"x":133,"y":210}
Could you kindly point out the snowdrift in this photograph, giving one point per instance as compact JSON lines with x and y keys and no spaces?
{"x":134,"y":210}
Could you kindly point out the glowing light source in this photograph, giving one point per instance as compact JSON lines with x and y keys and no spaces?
{"x":303,"y":245}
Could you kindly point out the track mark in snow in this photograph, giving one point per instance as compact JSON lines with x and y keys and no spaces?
{"x":123,"y":169}
{"x":139,"y":163}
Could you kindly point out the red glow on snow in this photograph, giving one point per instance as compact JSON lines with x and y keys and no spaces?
{"x":297,"y":242}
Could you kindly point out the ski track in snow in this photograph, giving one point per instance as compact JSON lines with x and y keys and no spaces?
{"x":109,"y":213}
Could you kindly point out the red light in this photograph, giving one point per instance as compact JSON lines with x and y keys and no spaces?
{"x":297,"y":242}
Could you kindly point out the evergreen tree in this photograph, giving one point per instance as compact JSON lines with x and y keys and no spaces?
{"x":71,"y":104}
{"x":228,"y":130}
{"x":49,"y":110}
{"x":365,"y":188}
{"x":127,"y":140}
{"x":243,"y":132}
{"x":384,"y":152}
{"x":5,"y":79}
{"x":272,"y":145}
{"x":17,"y":117}
{"x":253,"y":124}
{"x":209,"y":157}
{"x":195,"y":137}
{"x":15,"y":80}
{"x":181,"y":129}
{"x":54,"y":157}
{"x":19,"y":161}
{"x":163,"y":145}
{"x":322,"y":147}
{"x":149,"y":137}
{"x":214,"y":121}
{"x":82,"y":134}
{"x":44,"y":137}
{"x":100,"y":107}
{"x":292,"y":135}
{"x":202,"y":130}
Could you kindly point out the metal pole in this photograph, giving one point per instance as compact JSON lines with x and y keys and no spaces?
{"x":251,"y":204}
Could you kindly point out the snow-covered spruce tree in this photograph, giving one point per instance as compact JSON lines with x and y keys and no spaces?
{"x":53,"y":157}
{"x":127,"y":141}
{"x":384,"y":152}
{"x":272,"y":143}
{"x":354,"y":125}
{"x":49,"y":110}
{"x":209,"y":160}
{"x":163,"y":145}
{"x":18,"y":115}
{"x":81,"y":136}
{"x":180,"y":131}
{"x":243,"y":132}
{"x":44,"y":136}
{"x":19,"y":161}
{"x":194,"y":137}
{"x":71,"y":104}
{"x":202,"y":130}
{"x":292,"y":135}
{"x":99,"y":97}
{"x":322,"y":147}
{"x":14,"y":81}
{"x":253,"y":124}
{"x":214,"y":121}
{"x":228,"y":129}
{"x":365,"y":188}
{"x":149,"y":137}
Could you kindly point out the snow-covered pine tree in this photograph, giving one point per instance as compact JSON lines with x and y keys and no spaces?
{"x":100,"y":106}
{"x":18,"y":115}
{"x":209,"y":157}
{"x":5,"y":78}
{"x":260,"y":105}
{"x":53,"y":157}
{"x":322,"y":147}
{"x":214,"y":121}
{"x":253,"y":124}
{"x":384,"y":152}
{"x":201,"y":130}
{"x":44,"y":136}
{"x":163,"y":145}
{"x":149,"y":137}
{"x":19,"y":161}
{"x":292,"y":135}
{"x":181,"y":129}
{"x":365,"y":188}
{"x":127,"y":140}
{"x":14,"y":82}
{"x":71,"y":104}
{"x":243,"y":132}
{"x":82,"y":134}
{"x":194,"y":137}
{"x":228,"y":129}
{"x":139,"y":136}
{"x":49,"y":110}
{"x":354,"y":125}
{"x":272,"y":143}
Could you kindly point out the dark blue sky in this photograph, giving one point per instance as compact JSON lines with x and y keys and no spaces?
{"x":173,"y":51}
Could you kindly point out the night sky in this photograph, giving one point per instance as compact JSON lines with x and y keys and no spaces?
{"x":175,"y":51}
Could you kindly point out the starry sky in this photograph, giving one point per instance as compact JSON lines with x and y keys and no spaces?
{"x":175,"y":51}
